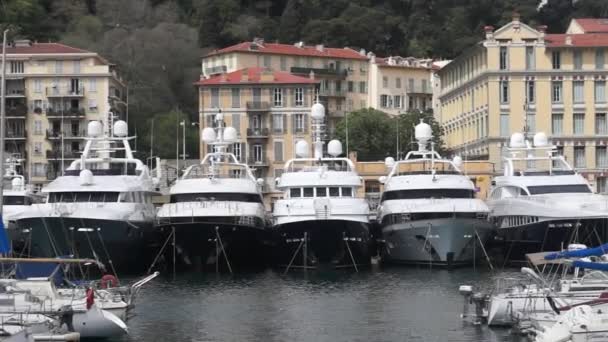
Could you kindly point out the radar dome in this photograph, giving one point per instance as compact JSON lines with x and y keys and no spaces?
{"x":457,"y":161}
{"x":94,"y":129}
{"x":540,"y":139}
{"x":389,"y":161}
{"x":334,"y":148}
{"x":219,"y":116}
{"x":86,"y":177}
{"x":302,"y":150}
{"x":17,"y":184}
{"x":230,"y":134}
{"x":517,"y":140}
{"x":423,"y":131}
{"x":121,"y":129}
{"x":208,"y":135}
{"x":317,"y":111}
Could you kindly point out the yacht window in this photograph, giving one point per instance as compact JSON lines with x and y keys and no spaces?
{"x":82,"y":196}
{"x":16,"y":200}
{"x":555,"y":189}
{"x":97,"y":197}
{"x":69,"y":197}
{"x":110,"y":197}
{"x":334,"y":192}
{"x":216,"y":196}
{"x":309,"y":192}
{"x":295,"y":192}
{"x":427,"y":193}
{"x":321,"y":192}
{"x":522,"y":192}
{"x":347,"y":192}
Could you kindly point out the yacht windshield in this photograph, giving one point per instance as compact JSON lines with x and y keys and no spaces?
{"x":216,"y":196}
{"x":555,"y":189}
{"x":16,"y":200}
{"x":70,"y":197}
{"x":427,"y":193}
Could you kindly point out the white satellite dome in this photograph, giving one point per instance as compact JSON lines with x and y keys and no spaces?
{"x":334,"y":148}
{"x":540,"y":139}
{"x":17,"y":183}
{"x":457,"y":161}
{"x":423,"y":131}
{"x":94,"y":129}
{"x":230,"y":134}
{"x":389,"y":161}
{"x":208,"y":135}
{"x":302,"y":149}
{"x":121,"y":129}
{"x":86,"y":177}
{"x":517,"y":140}
{"x":317,"y":111}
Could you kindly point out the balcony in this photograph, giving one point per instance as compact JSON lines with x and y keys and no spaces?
{"x":320,"y":72}
{"x":15,"y":92}
{"x":18,"y":111}
{"x":220,"y":69}
{"x":16,"y":134}
{"x":258,"y":106}
{"x":257,"y":133}
{"x":332,"y":93}
{"x":68,"y":134}
{"x":419,"y":89}
{"x":260,"y":162}
{"x":70,"y":112}
{"x":56,"y":155}
{"x":64,"y":92}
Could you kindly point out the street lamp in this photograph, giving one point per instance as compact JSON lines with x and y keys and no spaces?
{"x":183,"y":124}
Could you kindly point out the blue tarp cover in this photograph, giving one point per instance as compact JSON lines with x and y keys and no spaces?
{"x":591,"y":265}
{"x":597,"y":251}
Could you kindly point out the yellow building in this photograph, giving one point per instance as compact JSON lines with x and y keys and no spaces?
{"x":269,"y":109}
{"x":520,"y":78}
{"x":54,"y":89}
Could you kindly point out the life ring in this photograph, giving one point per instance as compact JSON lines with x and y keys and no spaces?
{"x":108,"y":278}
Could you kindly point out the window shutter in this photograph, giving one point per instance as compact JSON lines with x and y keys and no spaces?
{"x":236,"y":123}
{"x":293,"y":123}
{"x":292,"y":97}
{"x":305,"y":96}
{"x":305,"y":124}
{"x":284,"y":123}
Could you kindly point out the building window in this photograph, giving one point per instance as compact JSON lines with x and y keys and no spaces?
{"x":237,"y":151}
{"x":362,"y":87}
{"x":258,"y":153}
{"x":504,"y":91}
{"x":557,"y":123}
{"x":384,"y":101}
{"x":530,"y":63}
{"x":37,"y":86}
{"x":351,"y":86}
{"x":579,"y":123}
{"x":267,"y":61}
{"x":531,"y":122}
{"x":283,"y":63}
{"x":236,"y":97}
{"x":398,"y":82}
{"x":278,"y":151}
{"x":601,"y":184}
{"x":599,"y":59}
{"x":299,"y":96}
{"x":58,"y":67}
{"x":397,"y":103}
{"x":299,"y":123}
{"x":76,"y":67}
{"x":384,"y":82}
{"x":411,"y":102}
{"x":504,"y":58}
{"x":278,"y":97}
{"x":577,"y":57}
{"x":530,"y":91}
{"x":578,"y":91}
{"x":39,"y":170}
{"x":556,"y":60}
{"x":556,"y":93}
{"x":38,"y":127}
{"x":410,"y":85}
{"x":17,"y":67}
{"x":601,"y":159}
{"x":316,"y":95}
{"x":600,"y":92}
{"x":579,"y":156}
{"x":424,"y":86}
{"x":601,"y":126}
{"x":278,"y":123}
{"x":215,"y":98}
{"x":504,"y":125}
{"x":92,"y":85}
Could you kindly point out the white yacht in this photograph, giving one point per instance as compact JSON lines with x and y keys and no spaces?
{"x":428,"y":212}
{"x":216,"y":208}
{"x":541,"y":203}
{"x":320,"y":219}
{"x":100,"y":208}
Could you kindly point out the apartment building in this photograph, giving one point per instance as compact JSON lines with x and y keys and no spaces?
{"x":270,"y":111}
{"x":52,"y":92}
{"x":521,"y":79}
{"x":398,"y":84}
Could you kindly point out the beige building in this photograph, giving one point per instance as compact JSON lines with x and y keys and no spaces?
{"x":54,"y":90}
{"x":522,"y":79}
{"x":270,"y":111}
{"x":398,"y":84}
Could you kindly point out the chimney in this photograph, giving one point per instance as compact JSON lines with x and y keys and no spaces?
{"x":319,"y":47}
{"x":489,"y":32}
{"x":515,"y":17}
{"x":299,"y":44}
{"x":258,"y":41}
{"x":22,"y":43}
{"x":542,"y":29}
{"x":568,"y":40}
{"x":362,"y":52}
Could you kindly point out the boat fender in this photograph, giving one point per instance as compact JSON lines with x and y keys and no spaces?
{"x":90,"y":298}
{"x":108,"y":278}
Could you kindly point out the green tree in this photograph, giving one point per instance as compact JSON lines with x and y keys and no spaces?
{"x":370,"y":134}
{"x":166,"y":130}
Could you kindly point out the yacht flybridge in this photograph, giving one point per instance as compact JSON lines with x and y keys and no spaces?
{"x":428,"y":212}
{"x":100,"y":208}
{"x":320,"y":219}
{"x":216,"y":210}
{"x":541,"y":203}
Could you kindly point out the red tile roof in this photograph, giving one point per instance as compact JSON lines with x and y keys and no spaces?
{"x":593,"y":25}
{"x":44,"y":48}
{"x":288,"y":49}
{"x":577,"y":40}
{"x":254,"y":77}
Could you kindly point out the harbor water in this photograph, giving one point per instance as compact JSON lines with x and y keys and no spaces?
{"x":378,"y":304}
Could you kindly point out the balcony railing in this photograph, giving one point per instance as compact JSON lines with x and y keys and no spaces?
{"x":257,"y":161}
{"x":55,"y":154}
{"x":18,"y":134}
{"x":15,"y":92}
{"x":65,"y":112}
{"x":419,"y":89}
{"x":332,"y":72}
{"x":64,"y":92}
{"x":257,"y":132}
{"x":16,"y":111}
{"x":332,"y":93}
{"x":220,"y":69}
{"x":68,"y":134}
{"x":261,"y":106}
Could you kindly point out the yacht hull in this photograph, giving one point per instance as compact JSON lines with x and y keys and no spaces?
{"x":327,"y":242}
{"x":200,"y":241}
{"x":127,"y":243}
{"x":444,"y":241}
{"x":516,"y":242}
